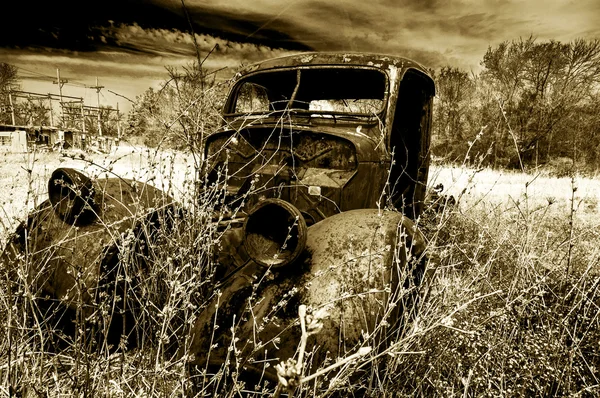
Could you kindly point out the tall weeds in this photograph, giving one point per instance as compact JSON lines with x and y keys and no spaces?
{"x":508,"y":306}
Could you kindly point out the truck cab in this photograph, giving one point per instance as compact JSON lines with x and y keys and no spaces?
{"x":327,"y":132}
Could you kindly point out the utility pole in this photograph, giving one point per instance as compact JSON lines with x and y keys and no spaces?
{"x":50,"y":108}
{"x":98,"y":88}
{"x":60,"y":83}
{"x":12,"y":108}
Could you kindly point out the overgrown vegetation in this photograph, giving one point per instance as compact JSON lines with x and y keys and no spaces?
{"x":533,"y":103}
{"x":516,"y":297}
{"x":509,"y":307}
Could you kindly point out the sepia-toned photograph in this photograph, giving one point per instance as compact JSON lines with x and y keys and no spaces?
{"x":262,"y":198}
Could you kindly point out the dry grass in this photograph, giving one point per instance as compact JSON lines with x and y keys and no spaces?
{"x":511,"y":306}
{"x":24,"y":177}
{"x":505,"y":187}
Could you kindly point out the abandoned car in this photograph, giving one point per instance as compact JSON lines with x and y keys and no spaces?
{"x":325,"y":158}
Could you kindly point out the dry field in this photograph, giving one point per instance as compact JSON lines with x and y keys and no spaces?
{"x":511,"y":306}
{"x":24,"y":177}
{"x":507,"y":189}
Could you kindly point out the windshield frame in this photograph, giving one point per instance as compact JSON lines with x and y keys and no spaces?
{"x":306,"y":113}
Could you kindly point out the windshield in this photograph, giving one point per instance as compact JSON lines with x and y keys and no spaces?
{"x":316,"y":91}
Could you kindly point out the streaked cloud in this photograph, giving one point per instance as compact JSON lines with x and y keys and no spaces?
{"x":174,"y":43}
{"x":131,"y":41}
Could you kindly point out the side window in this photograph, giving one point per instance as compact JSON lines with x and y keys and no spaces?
{"x":252,"y":98}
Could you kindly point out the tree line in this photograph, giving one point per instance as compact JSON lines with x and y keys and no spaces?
{"x":532,"y":102}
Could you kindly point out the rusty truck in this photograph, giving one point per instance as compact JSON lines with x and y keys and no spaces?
{"x":324,"y":159}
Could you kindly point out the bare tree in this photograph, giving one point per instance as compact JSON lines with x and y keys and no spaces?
{"x":539,"y":91}
{"x":537,"y":100}
{"x":8,"y":81}
{"x":182,"y":113}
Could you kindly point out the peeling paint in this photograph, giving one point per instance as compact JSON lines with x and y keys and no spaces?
{"x":307,"y":58}
{"x":348,"y":270}
{"x":336,"y":58}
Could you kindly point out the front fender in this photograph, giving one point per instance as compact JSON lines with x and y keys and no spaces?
{"x":67,"y":239}
{"x":355,"y":264}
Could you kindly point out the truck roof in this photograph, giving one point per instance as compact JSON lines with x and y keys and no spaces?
{"x":382,"y":61}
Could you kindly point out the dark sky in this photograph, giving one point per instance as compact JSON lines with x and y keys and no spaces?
{"x":127,"y":43}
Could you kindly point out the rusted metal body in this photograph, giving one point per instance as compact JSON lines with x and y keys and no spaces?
{"x":69,"y":247}
{"x":314,"y":148}
{"x":353,"y":266}
{"x":328,"y":132}
{"x":338,"y":137}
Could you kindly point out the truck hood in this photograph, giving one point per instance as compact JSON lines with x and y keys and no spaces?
{"x":366,"y":137}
